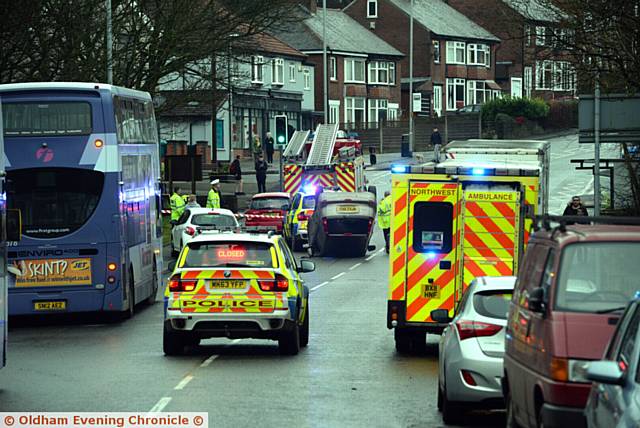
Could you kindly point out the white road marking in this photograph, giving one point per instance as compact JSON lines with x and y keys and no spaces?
{"x":320,"y":285}
{"x":183,"y":382}
{"x":333,"y":278}
{"x":208,"y":361}
{"x":160,"y":405}
{"x":371,"y":256}
{"x":355,"y":266}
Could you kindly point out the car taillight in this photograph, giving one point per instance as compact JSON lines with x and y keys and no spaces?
{"x":177,"y":284}
{"x":467,"y":329}
{"x":303,"y":217}
{"x":369,"y":225}
{"x":279,"y":283}
{"x":325,"y":224}
{"x":190,"y":231}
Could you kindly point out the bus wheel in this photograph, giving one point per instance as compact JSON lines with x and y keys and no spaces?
{"x":154,"y":284}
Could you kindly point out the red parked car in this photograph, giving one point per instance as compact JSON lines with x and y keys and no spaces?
{"x":573,"y":285}
{"x":268,"y":209}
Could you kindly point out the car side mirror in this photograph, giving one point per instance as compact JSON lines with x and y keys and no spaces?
{"x":536,"y":300}
{"x":172,"y":265}
{"x":607,"y":372}
{"x":14,"y":225}
{"x":440,"y":316}
{"x":306,"y":265}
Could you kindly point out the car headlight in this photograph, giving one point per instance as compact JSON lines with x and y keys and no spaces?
{"x":578,"y":371}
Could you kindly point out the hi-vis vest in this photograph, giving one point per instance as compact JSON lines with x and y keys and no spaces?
{"x":213,"y":199}
{"x":177,"y":206}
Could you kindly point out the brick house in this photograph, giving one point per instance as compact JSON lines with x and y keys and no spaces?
{"x":453,"y":57}
{"x":529,"y":62}
{"x":363,"y":70}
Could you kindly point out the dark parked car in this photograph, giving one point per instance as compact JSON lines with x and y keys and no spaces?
{"x":471,"y":108}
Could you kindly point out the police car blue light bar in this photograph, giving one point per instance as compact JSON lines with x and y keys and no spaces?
{"x":399,"y":169}
{"x":478,"y":171}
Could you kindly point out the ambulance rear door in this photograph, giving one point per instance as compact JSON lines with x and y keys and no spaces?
{"x":432,"y":247}
{"x":491,"y":231}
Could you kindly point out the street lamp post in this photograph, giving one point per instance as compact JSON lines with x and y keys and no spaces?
{"x":411,"y":77}
{"x":324,"y":60}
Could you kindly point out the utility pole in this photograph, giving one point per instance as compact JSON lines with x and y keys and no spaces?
{"x":109,"y":44}
{"x":596,"y":135}
{"x":324,"y":61}
{"x":411,"y":78}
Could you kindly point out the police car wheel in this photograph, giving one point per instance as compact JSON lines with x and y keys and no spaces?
{"x":304,"y":333}
{"x":451,"y":413}
{"x":172,"y":342}
{"x":289,"y":340}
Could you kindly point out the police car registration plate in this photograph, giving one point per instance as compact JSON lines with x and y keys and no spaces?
{"x":227,"y":284}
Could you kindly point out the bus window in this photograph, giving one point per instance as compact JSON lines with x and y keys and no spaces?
{"x":54,"y":201}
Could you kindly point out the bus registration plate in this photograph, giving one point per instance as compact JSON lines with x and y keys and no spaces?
{"x":49,"y":306}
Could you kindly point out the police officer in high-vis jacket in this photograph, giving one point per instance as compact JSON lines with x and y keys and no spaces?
{"x":213,"y":198}
{"x":384,"y":218}
{"x":177,"y":204}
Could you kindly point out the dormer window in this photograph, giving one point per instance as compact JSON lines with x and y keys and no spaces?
{"x":372,"y":8}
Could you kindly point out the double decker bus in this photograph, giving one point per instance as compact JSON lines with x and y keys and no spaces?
{"x":83,"y":170}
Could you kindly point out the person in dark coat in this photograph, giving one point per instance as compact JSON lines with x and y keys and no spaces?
{"x":261,"y":174}
{"x":436,"y":142}
{"x":236,"y":170}
{"x":269,"y":147}
{"x":575,"y":207}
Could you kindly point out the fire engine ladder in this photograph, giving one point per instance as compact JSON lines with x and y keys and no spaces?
{"x":296,"y":144}
{"x":323,"y":143}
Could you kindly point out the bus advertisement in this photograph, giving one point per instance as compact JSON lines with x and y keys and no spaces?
{"x":83,"y":171}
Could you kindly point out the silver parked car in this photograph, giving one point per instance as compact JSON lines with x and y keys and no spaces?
{"x":614,"y":401}
{"x":472,"y":347}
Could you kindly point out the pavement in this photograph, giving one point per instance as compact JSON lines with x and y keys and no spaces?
{"x":349,"y":376}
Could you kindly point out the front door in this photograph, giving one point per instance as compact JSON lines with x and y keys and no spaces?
{"x":437,"y":100}
{"x":432,"y":245}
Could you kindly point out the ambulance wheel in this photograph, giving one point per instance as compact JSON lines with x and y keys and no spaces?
{"x":172,"y":342}
{"x":304,"y":333}
{"x":419,"y":342}
{"x":289,"y":340}
{"x":403,"y":341}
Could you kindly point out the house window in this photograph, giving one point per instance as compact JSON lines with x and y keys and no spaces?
{"x":292,"y":73}
{"x":455,"y":52}
{"x":334,"y":111}
{"x":455,"y":93}
{"x":478,"y":54}
{"x":392,"y":111}
{"x":564,"y":76}
{"x":307,"y":79}
{"x":540,"y":36}
{"x":354,"y":70}
{"x":478,"y":92}
{"x":354,"y":110}
{"x":376,"y":107}
{"x":333,"y":68}
{"x":382,"y":73}
{"x":277,"y":71}
{"x":257,"y":69}
{"x":436,"y":51}
{"x":544,"y":74}
{"x":527,"y":35}
{"x":527,"y":81}
{"x":372,"y":8}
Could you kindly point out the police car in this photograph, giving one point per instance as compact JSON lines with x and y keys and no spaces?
{"x":236,"y":285}
{"x":297,"y":219}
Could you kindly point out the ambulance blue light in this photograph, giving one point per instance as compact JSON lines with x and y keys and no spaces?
{"x":478,"y":171}
{"x":431,"y":255}
{"x":399,"y":169}
{"x":309,"y":188}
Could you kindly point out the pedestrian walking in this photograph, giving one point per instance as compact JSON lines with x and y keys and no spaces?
{"x":575,"y":208}
{"x":177,"y":204}
{"x":436,"y":142}
{"x":213,"y":198}
{"x":268,"y":142}
{"x":192,"y":202}
{"x":261,"y":173}
{"x":384,"y":218}
{"x":236,"y":170}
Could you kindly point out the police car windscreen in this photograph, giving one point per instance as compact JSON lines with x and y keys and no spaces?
{"x":230,"y":254}
{"x":218,"y":220}
{"x":308,"y":203}
{"x":270,"y":204}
